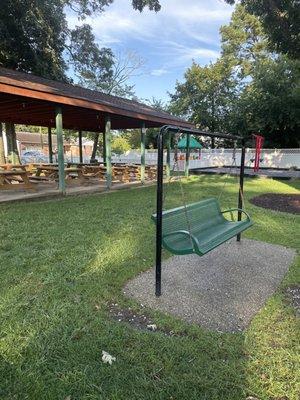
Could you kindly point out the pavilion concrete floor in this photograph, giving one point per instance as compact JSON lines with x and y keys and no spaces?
{"x":49,"y":190}
{"x":222,"y":290}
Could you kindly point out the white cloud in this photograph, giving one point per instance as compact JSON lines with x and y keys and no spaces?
{"x":183,"y":31}
{"x":159,"y":72}
{"x":192,"y":19}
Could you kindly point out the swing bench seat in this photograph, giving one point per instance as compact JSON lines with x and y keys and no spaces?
{"x":199,"y":227}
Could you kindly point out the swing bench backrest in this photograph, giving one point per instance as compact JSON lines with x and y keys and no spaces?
{"x":199,"y":227}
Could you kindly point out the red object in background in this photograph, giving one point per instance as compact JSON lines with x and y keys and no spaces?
{"x":259,"y":140}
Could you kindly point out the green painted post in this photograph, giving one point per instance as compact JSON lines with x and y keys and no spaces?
{"x":143,"y":151}
{"x":50,"y":145}
{"x":187,"y":155}
{"x":104,"y":149}
{"x":108,"y":151}
{"x":60,"y":150}
{"x":80,"y":146}
{"x":168,"y":166}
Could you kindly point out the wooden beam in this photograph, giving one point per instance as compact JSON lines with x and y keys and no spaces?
{"x":60,"y":150}
{"x":143,"y":151}
{"x":64,"y":99}
{"x":108,"y":151}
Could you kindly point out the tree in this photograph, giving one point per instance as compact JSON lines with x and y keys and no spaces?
{"x":120,"y":145}
{"x":124,"y":67}
{"x":35,"y":38}
{"x":248,"y":90}
{"x":270,"y":103}
{"x":243,"y":42}
{"x":205,"y":95}
{"x":280,"y":20}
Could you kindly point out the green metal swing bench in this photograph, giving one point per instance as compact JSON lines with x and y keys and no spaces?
{"x":200,"y":227}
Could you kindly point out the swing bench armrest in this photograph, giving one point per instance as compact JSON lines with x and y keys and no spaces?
{"x":185,"y":233}
{"x":238,"y":209}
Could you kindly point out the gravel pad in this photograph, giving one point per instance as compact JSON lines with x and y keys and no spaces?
{"x":220,"y":291}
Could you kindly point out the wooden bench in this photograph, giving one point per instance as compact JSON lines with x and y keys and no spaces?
{"x":120,"y":173}
{"x":94,"y":171}
{"x":15,"y":179}
{"x":50,"y":173}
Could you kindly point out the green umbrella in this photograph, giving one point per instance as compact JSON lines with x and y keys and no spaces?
{"x":194,"y":144}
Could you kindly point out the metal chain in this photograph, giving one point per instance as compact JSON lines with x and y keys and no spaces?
{"x":233,"y":165}
{"x":183,"y":196}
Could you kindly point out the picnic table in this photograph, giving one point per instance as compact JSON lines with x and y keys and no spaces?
{"x":78,"y":164}
{"x":51,"y":173}
{"x":120,"y":173}
{"x":94,"y":171}
{"x":14,"y":176}
{"x":134,"y":171}
{"x":9,"y":167}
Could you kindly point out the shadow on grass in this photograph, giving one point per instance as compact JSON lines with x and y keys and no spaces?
{"x":61,"y":262}
{"x":52,"y":334}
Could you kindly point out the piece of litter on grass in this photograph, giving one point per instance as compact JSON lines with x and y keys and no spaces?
{"x":152,"y":327}
{"x":107,"y":358}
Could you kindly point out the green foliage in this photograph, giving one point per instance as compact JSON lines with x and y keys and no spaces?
{"x":271,"y":102}
{"x":248,"y":89}
{"x":63,"y":261}
{"x":33,"y":35}
{"x":205,"y":95}
{"x":35,"y":38}
{"x":244,"y":42}
{"x":120,"y":145}
{"x":280,"y":20}
{"x":90,"y":62}
{"x":151,"y":4}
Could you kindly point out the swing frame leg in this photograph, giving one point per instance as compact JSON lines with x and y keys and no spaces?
{"x":241,"y":188}
{"x":159,"y":204}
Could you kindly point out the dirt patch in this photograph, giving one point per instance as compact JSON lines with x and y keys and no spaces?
{"x":293,"y":295}
{"x":289,"y":203}
{"x":136,"y":319}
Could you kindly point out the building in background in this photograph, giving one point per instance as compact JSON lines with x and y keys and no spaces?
{"x":36,"y":143}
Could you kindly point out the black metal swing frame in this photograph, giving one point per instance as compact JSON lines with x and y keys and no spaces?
{"x":170,"y":129}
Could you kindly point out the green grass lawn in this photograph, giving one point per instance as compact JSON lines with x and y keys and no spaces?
{"x":63,"y":261}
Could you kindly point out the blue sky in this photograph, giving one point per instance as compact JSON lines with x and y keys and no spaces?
{"x":167,"y":41}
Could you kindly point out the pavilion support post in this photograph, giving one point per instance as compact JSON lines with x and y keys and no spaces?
{"x":143,"y":152}
{"x":159,"y":208}
{"x":50,"y":150}
{"x":187,"y":156}
{"x":168,"y":166}
{"x":241,"y":186}
{"x":60,"y":150}
{"x":108,"y":151}
{"x":80,"y":146}
{"x":104,"y":148}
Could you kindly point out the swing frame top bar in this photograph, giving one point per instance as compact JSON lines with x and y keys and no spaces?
{"x":175,"y":129}
{"x":159,"y":194}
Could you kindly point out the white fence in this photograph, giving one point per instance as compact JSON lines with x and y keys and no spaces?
{"x":270,"y":158}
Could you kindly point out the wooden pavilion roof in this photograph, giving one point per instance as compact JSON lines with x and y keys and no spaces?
{"x":31,"y":100}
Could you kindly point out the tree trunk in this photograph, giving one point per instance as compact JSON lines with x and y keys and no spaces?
{"x":12,"y":148}
{"x":2,"y":153}
{"x":95,"y":145}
